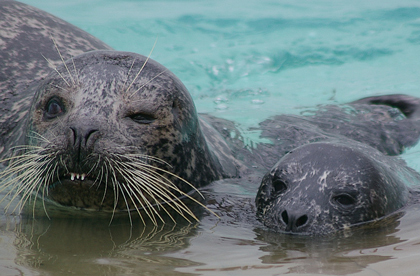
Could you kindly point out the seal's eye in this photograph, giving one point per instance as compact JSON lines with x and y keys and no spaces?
{"x":142,"y":118}
{"x":279,"y":186}
{"x":344,"y":200}
{"x":53,"y":108}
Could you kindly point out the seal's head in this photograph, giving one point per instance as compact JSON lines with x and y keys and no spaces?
{"x":113,"y":131}
{"x":322,"y":187}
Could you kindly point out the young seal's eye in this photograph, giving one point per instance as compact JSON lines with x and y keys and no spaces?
{"x":344,"y":200}
{"x":142,"y":118}
{"x":53,"y":108}
{"x":279,"y":186}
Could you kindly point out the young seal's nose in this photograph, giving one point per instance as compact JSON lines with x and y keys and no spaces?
{"x":293,"y":220}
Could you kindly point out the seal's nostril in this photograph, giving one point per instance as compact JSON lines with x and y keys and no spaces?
{"x":293,"y":221}
{"x":74,"y":135}
{"x":89,"y":134}
{"x":301,"y":220}
{"x":285,"y":217}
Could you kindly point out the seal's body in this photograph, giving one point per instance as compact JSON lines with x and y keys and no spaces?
{"x":84,"y":126}
{"x":101,"y":130}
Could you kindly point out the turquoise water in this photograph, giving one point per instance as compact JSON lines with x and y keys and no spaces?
{"x":244,"y":61}
{"x":247,"y":60}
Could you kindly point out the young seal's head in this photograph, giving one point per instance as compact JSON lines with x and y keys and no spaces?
{"x":320,"y":188}
{"x":113,"y":131}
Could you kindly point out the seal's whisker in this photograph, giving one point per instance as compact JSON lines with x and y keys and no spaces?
{"x":141,"y":69}
{"x":129,"y":180}
{"x":62,"y":59}
{"x":61,"y":88}
{"x":144,"y":156}
{"x":156,"y":185}
{"x":146,"y":205}
{"x":25,"y":174}
{"x":36,"y":135}
{"x":55,"y":69}
{"x":114,"y":181}
{"x":143,"y":85}
{"x":151,"y":186}
{"x":134,"y":176}
{"x":147,"y":210}
{"x":100,"y":177}
{"x":116,"y":190}
{"x":144,"y":187}
{"x":42,"y":185}
{"x":128,"y":74}
{"x":27,"y":189}
{"x":30,"y":179}
{"x":171,"y":174}
{"x":75,"y":70}
{"x":139,"y":165}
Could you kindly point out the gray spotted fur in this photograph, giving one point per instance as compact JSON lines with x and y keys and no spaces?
{"x":201,"y":149}
{"x":26,"y":37}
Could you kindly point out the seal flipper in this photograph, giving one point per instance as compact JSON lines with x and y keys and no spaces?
{"x":408,"y":105}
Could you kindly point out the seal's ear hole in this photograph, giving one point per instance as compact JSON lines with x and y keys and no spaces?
{"x":53,"y":108}
{"x":175,"y":109}
{"x":344,"y":200}
{"x":279,"y":186}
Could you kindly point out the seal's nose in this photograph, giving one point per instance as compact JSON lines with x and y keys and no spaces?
{"x":293,"y":220}
{"x":83,"y":139}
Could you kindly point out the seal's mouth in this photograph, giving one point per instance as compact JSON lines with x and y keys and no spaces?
{"x":77,"y":176}
{"x":120,"y":183}
{"x":93,"y":192}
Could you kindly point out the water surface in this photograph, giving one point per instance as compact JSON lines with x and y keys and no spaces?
{"x":244,"y":61}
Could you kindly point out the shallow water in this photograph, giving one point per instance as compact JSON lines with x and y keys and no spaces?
{"x":244,"y":61}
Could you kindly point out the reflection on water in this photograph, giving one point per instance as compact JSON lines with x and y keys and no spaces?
{"x":332,"y":254}
{"x":235,"y":244}
{"x":92,"y":247}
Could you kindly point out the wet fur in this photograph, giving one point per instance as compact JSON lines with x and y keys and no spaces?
{"x":147,"y":170}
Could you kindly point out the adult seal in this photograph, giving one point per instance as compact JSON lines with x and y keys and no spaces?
{"x":103,"y":130}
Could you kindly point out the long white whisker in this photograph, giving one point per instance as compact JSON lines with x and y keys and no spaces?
{"x":141,"y":69}
{"x":62,"y":59}
{"x":55,"y":69}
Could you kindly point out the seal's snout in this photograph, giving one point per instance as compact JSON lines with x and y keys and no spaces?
{"x":294,"y":221}
{"x":83,"y":137}
{"x":82,"y":140}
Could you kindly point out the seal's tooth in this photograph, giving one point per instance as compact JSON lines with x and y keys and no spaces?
{"x":82,"y":177}
{"x":72,"y":176}
{"x":77,"y":176}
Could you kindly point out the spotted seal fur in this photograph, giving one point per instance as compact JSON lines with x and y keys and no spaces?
{"x":323,"y":187}
{"x":331,"y":177}
{"x":101,"y":130}
{"x":82,"y":125}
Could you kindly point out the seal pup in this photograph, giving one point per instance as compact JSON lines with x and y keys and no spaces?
{"x":327,"y":182}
